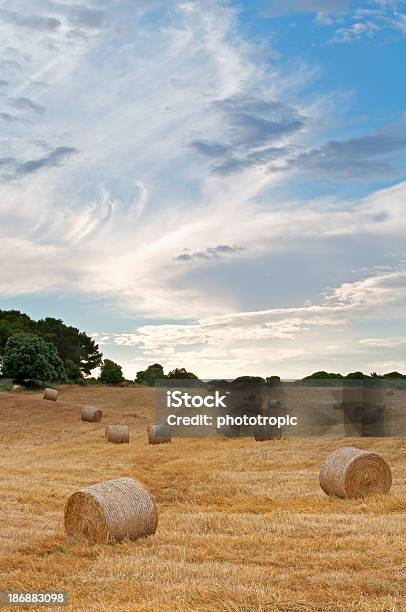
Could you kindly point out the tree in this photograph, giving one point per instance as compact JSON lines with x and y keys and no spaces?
{"x":356,"y":375}
{"x":11,"y":322}
{"x":273,"y":380}
{"x":218,"y":382}
{"x":149,"y":376}
{"x":394,"y":375}
{"x":28,"y":357}
{"x":181,"y":373}
{"x":255,"y":380}
{"x":73,"y":371}
{"x":111,"y":373}
{"x":322,"y":375}
{"x":73,"y":346}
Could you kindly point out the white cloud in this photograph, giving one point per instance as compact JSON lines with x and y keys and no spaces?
{"x":132,"y":196}
{"x":102,"y":191}
{"x":356,"y":31}
{"x":292,"y":340}
{"x":383,"y":343}
{"x":379,"y":17}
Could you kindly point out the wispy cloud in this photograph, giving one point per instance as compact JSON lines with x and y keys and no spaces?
{"x":251,"y":342}
{"x":275,"y":8}
{"x":383,"y":343}
{"x":369,"y":22}
{"x":138,"y":141}
{"x":220,"y":250}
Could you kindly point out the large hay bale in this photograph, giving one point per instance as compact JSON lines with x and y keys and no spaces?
{"x":350,"y":472}
{"x":262,"y":433}
{"x":159,"y":434}
{"x":118,"y":434}
{"x":91,"y":414}
{"x":17,"y":388}
{"x":111,"y":511}
{"x":51,"y":394}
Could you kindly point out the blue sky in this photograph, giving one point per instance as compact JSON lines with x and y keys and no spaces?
{"x":209,"y":184}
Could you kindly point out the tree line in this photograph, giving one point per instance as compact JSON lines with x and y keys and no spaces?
{"x":50,"y":351}
{"x":47,"y":350}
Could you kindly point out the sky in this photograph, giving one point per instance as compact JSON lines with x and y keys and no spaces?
{"x":209,"y":184}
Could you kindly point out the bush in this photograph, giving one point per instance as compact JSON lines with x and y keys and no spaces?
{"x":249,"y":379}
{"x":111,"y":373}
{"x":218,"y":382}
{"x":29,"y":357}
{"x":149,"y":376}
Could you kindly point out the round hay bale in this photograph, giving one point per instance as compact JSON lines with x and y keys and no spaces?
{"x":262,"y":433}
{"x":350,"y":472}
{"x":274,"y":404}
{"x":16,"y":388}
{"x":111,"y":511}
{"x":118,"y":434}
{"x":91,"y":414}
{"x":229,"y":431}
{"x":159,"y":434}
{"x":51,"y":394}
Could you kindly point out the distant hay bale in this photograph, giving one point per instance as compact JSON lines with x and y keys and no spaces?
{"x":159,"y":434}
{"x":118,"y":434}
{"x":111,"y":511}
{"x":51,"y":394}
{"x":16,"y":388}
{"x":91,"y":414}
{"x":274,"y":404}
{"x":229,"y":431}
{"x":262,"y":433}
{"x":350,"y":472}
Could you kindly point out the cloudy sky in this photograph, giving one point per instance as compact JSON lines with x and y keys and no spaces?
{"x":209,"y":184}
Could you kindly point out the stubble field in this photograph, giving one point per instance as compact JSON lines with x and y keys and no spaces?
{"x":242,"y":525}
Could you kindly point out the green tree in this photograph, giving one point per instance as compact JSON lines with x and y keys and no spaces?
{"x":73,"y":346}
{"x":73,"y":371}
{"x":322,"y":375}
{"x":29,"y":357}
{"x":181,"y":373}
{"x":273,"y":380}
{"x":394,"y":375}
{"x":111,"y":373}
{"x":249,"y":379}
{"x":356,"y":375}
{"x":11,"y":322}
{"x":149,"y":376}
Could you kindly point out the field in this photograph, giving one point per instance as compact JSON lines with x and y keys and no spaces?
{"x":242,"y":525}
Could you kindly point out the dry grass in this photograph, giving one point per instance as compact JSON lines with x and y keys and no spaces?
{"x":242,"y":525}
